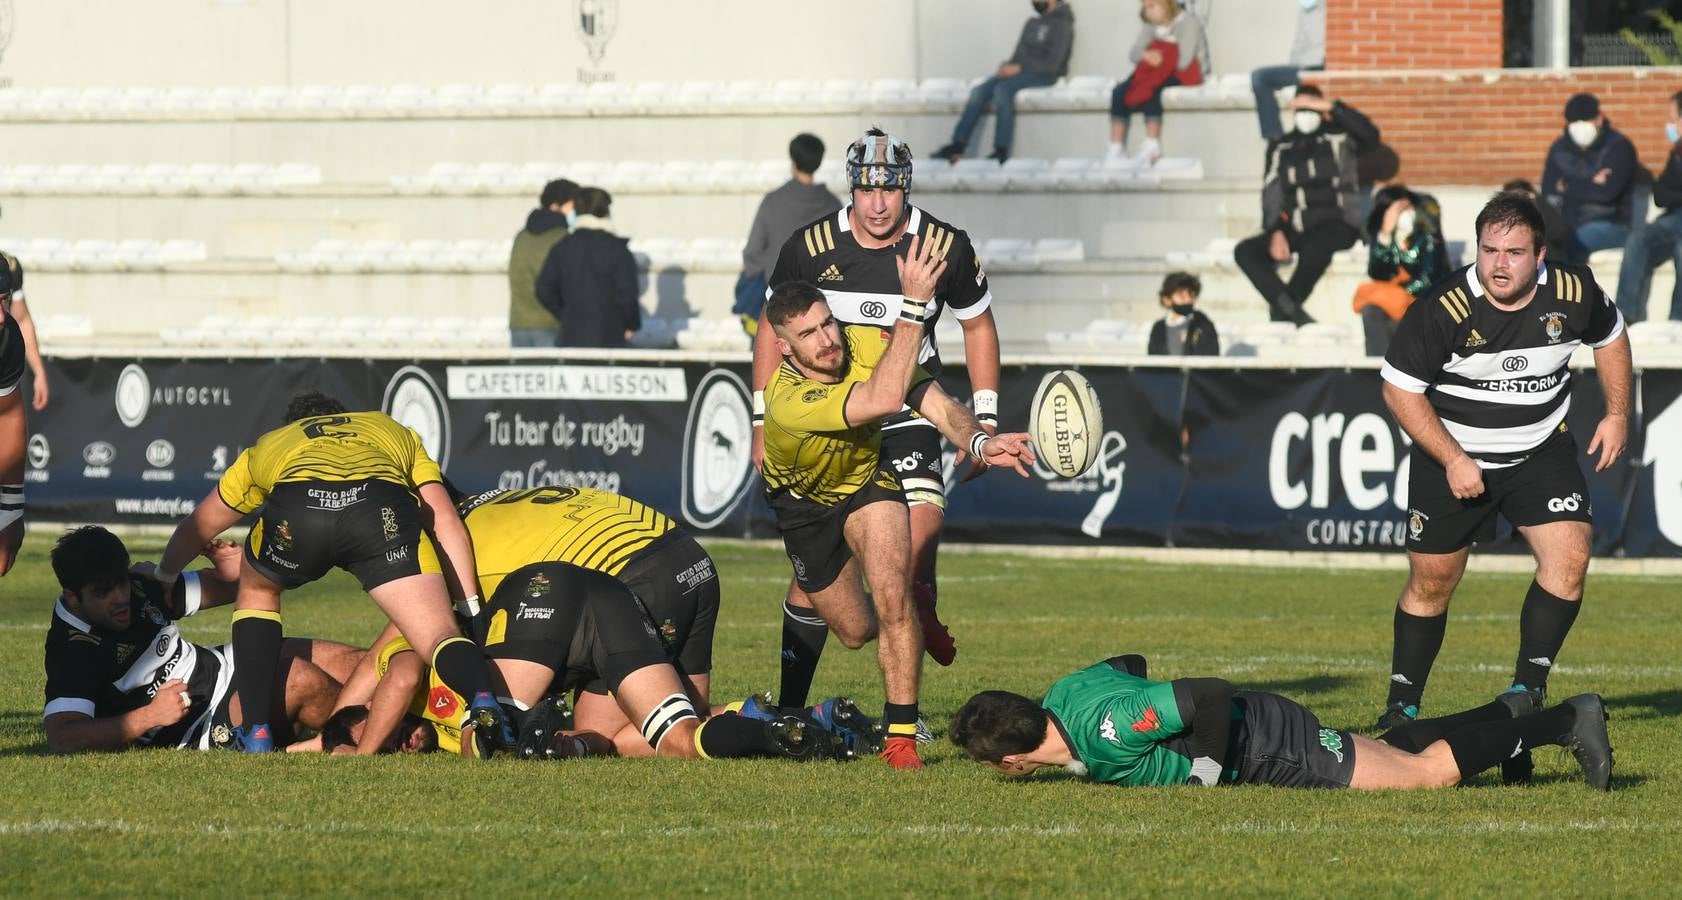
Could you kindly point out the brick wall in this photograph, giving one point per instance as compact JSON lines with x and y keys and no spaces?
{"x":1427,"y":116}
{"x":1413,"y":34}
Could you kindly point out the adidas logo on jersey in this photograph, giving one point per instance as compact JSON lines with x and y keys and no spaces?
{"x":830,"y":274}
{"x":1475,"y":340}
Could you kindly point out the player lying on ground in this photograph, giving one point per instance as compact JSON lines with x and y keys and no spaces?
{"x":354,"y":490}
{"x":551,"y":629}
{"x":1109,"y":723}
{"x":119,"y":673}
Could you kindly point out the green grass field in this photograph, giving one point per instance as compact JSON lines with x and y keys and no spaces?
{"x":173,"y":823}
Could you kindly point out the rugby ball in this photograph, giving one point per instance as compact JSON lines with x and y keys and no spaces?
{"x":1066,"y":422}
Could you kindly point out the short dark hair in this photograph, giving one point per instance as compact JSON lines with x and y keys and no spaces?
{"x":790,"y":299}
{"x":1521,"y":185}
{"x":311,"y":404}
{"x":996,"y":724}
{"x":1309,"y":90}
{"x":89,"y":556}
{"x":1510,"y":209}
{"x":336,"y":733}
{"x":806,"y":152}
{"x":1181,"y":281}
{"x":593,"y":201}
{"x":557,"y":193}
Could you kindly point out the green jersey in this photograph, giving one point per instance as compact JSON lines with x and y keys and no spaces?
{"x":1118,"y":725}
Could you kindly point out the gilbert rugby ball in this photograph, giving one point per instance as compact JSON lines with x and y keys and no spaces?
{"x":1066,"y":422}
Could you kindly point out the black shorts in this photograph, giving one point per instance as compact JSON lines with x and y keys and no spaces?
{"x":814,"y":534}
{"x":11,"y":355}
{"x":1283,"y":744}
{"x":211,"y":690}
{"x":1547,"y":487}
{"x":584,"y":625}
{"x":371,"y":529}
{"x":913,"y":453}
{"x":677,"y":583}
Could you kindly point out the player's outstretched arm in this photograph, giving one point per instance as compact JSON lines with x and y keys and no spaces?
{"x":444,"y":523}
{"x":393,"y":695}
{"x":73,"y":732}
{"x":1613,"y":365}
{"x":210,"y":518}
{"x":1414,"y":413}
{"x":359,"y":688}
{"x":960,"y":426}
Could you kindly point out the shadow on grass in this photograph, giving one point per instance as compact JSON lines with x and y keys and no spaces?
{"x":1313,"y":684}
{"x":1652,"y":705}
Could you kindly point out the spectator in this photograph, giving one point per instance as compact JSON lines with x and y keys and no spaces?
{"x":1184,"y":330}
{"x":1588,"y":176}
{"x":1041,"y":57}
{"x":1553,"y":220}
{"x":1661,"y":239}
{"x":1408,"y":256}
{"x":1169,"y":51}
{"x":1310,"y":201}
{"x":529,"y":324}
{"x":800,"y":201}
{"x":589,"y":281}
{"x":1308,"y":54}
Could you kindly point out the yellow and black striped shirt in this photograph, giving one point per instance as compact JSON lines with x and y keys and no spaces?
{"x":588,"y":528}
{"x":357,"y":446}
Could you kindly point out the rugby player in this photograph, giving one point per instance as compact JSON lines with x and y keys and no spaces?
{"x":1109,"y":723}
{"x":358,"y":491}
{"x":11,"y":288}
{"x":851,"y":255}
{"x":120,"y":674}
{"x":14,"y":428}
{"x":834,"y":497}
{"x":1478,"y":375}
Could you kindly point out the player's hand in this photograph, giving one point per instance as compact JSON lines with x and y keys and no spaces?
{"x":919,"y":270}
{"x":1009,"y":70}
{"x":1309,"y":101}
{"x":225,"y":556}
{"x":1601,"y":176}
{"x":11,"y":538}
{"x":170,"y":704}
{"x":976,"y":466}
{"x":1465,"y":478}
{"x":756,"y":451}
{"x":1015,"y":450}
{"x":40,"y":400}
{"x":1151,"y":57}
{"x":1280,"y":248}
{"x":1609,"y":438}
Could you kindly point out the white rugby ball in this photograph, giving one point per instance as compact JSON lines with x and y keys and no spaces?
{"x":1066,"y":422}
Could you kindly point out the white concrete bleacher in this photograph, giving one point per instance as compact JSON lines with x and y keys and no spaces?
{"x":156,"y":178}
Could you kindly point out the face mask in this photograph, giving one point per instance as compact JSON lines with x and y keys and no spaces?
{"x":1405,"y":221}
{"x":1309,"y":4}
{"x":1180,"y":309}
{"x":1670,"y":132}
{"x":1308,"y":121}
{"x":572,"y":216}
{"x":1040,"y":6}
{"x":1582,"y":133}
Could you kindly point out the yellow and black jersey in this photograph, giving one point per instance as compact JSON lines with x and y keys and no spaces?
{"x":358,"y":446}
{"x":811,"y":450}
{"x":588,"y":528}
{"x":441,"y":707}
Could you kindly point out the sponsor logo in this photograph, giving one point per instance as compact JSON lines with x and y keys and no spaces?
{"x":98,"y":455}
{"x":1333,"y":742}
{"x":873,"y":309}
{"x":1103,"y":479}
{"x":717,"y":438}
{"x":544,"y":613}
{"x":160,"y":453}
{"x":834,"y":274}
{"x":1399,"y":678}
{"x":413,"y":398}
{"x":398,"y":555}
{"x":1554,"y":325}
{"x":1349,"y":449}
{"x":908,"y":463}
{"x":162,"y":647}
{"x":596,"y":22}
{"x":698,"y":574}
{"x":1106,"y":730}
{"x":125,"y":652}
{"x":813,"y":395}
{"x":134,"y":395}
{"x":980,"y":275}
{"x":1515,"y":364}
{"x":639,"y":383}
{"x":174,"y":507}
{"x":39,"y":451}
{"x":1148,"y":722}
{"x":323,"y":499}
{"x":388,"y":523}
{"x":1542,"y":661}
{"x":281,"y":538}
{"x":1475,"y":340}
{"x":1566,"y":504}
{"x":1535,"y":385}
{"x":537,"y":586}
{"x":886,"y":480}
{"x":799,"y":565}
{"x":1416,"y":523}
{"x":668,"y":632}
{"x":442,"y":703}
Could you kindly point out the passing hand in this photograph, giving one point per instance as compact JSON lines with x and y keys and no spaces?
{"x":976,"y":466}
{"x":1015,"y":450}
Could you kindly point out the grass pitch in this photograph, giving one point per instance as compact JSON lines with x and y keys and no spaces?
{"x":182,"y":823}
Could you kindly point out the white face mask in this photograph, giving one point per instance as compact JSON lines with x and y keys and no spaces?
{"x":1308,"y":121}
{"x":1405,"y":221}
{"x":1309,"y":4}
{"x":1582,"y":133}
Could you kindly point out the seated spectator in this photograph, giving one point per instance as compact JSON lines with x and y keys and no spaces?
{"x":1553,"y":221}
{"x":1311,"y":203}
{"x":799,"y":201}
{"x":1661,"y":239}
{"x":1308,"y":54}
{"x":1169,"y":51}
{"x":589,"y":281}
{"x":1041,"y":57}
{"x":529,"y":324}
{"x":1589,"y":176}
{"x":1408,"y":256}
{"x":1185,"y":330}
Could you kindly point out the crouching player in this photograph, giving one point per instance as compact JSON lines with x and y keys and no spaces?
{"x":1109,"y":723}
{"x":119,"y":673}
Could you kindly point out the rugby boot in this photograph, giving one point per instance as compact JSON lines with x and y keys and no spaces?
{"x":1522,"y":701}
{"x":1589,"y":742}
{"x":1396,"y":715}
{"x":486,"y":730}
{"x":901,"y":753}
{"x":936,"y":639}
{"x":541,"y":729}
{"x":842,"y":717}
{"x":798,"y":737}
{"x":254,"y":738}
{"x":756,"y":706}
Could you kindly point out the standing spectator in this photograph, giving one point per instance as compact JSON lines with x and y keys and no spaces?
{"x":1589,"y":176}
{"x":1041,"y":57}
{"x":1169,"y":51}
{"x":529,"y":324}
{"x":11,"y":289}
{"x":1553,"y":220}
{"x":1661,"y":239}
{"x":1308,"y":54}
{"x":783,"y":211}
{"x":1310,"y":201}
{"x":1408,"y":256}
{"x":1185,"y":330}
{"x":589,"y":281}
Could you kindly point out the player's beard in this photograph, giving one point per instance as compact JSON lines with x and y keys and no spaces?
{"x":1516,"y":290}
{"x":833,"y":369}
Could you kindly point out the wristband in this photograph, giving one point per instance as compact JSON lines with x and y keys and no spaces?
{"x":468,"y":606}
{"x":912,"y":310}
{"x":758,"y":407}
{"x":976,"y":442}
{"x":986,"y":404}
{"x":1205,"y":770}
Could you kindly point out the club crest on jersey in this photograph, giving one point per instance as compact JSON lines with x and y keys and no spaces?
{"x":1106,"y":730}
{"x":1416,"y":523}
{"x":1554,"y":325}
{"x":388,"y":523}
{"x":830,"y":274}
{"x":155,"y":614}
{"x":221,"y":735}
{"x":668,"y":632}
{"x":282,"y":538}
{"x":813,"y":395}
{"x":538,"y":586}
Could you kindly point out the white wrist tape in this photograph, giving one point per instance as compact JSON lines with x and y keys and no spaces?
{"x":986,"y":404}
{"x":468,"y":606}
{"x":759,"y":407}
{"x":912,"y":311}
{"x":1206,"y":771}
{"x":976,"y":443}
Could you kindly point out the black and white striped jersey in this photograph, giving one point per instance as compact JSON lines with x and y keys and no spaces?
{"x":1500,"y":381}
{"x":862,"y":285}
{"x":98,"y":672}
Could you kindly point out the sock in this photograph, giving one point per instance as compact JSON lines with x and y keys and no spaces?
{"x":1542,"y":626}
{"x":1478,"y":747}
{"x":1417,"y":735}
{"x":728,"y":735}
{"x":256,"y":636}
{"x":461,"y":667}
{"x":804,"y":633}
{"x":1418,"y":638}
{"x":900,"y":720}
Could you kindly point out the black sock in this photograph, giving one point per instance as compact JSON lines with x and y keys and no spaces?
{"x":1418,"y":638}
{"x":804,"y":633}
{"x":900,"y":719}
{"x":1417,"y":735}
{"x":1477,"y":747}
{"x":728,"y":736}
{"x":461,"y":667}
{"x":1542,"y":626}
{"x":256,"y":635}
